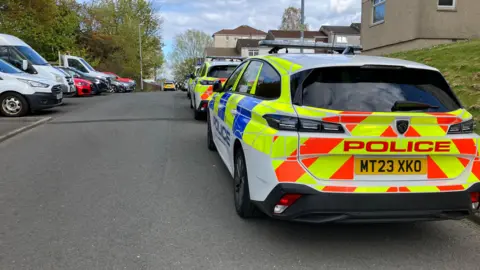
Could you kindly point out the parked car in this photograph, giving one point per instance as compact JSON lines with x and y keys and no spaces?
{"x":116,"y":86}
{"x":84,"y":87}
{"x":192,"y":81}
{"x":19,"y":54}
{"x":169,"y":86}
{"x":80,"y":64}
{"x":130,"y":83}
{"x":21,"y":93}
{"x":99,"y":85}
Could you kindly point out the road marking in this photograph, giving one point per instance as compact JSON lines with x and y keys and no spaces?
{"x":24,"y":128}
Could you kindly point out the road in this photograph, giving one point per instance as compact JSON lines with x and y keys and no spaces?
{"x":126,"y":182}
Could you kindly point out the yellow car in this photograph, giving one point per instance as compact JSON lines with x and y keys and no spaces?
{"x":208,"y":74}
{"x":344,"y":138}
{"x":169,"y":86}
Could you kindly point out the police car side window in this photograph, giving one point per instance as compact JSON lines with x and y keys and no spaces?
{"x":233,"y":78}
{"x":248,"y":78}
{"x":269,"y":83}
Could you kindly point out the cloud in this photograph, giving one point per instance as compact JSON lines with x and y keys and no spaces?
{"x":213,"y":15}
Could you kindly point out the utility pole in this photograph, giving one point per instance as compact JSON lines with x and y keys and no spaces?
{"x":141,"y":61}
{"x":302,"y":23}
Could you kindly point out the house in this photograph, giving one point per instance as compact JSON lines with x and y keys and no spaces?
{"x":392,"y":25}
{"x":243,"y":48}
{"x":212,"y":51}
{"x":227,"y":38}
{"x":342,"y":34}
{"x":308,"y":36}
{"x":249,"y":47}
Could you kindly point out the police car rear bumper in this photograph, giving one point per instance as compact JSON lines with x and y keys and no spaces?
{"x":320,"y":207}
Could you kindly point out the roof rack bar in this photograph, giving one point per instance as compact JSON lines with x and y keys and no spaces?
{"x":278,"y":45}
{"x":224,"y":58}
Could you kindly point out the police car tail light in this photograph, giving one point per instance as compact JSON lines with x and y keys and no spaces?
{"x":475,"y":196}
{"x":205,"y":82}
{"x":286,"y":201}
{"x":281,"y":122}
{"x":307,"y":125}
{"x":462,"y":128}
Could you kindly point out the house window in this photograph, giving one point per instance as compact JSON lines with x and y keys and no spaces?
{"x":378,"y":11}
{"x":446,"y":3}
{"x":340,"y":39}
{"x":252,"y":52}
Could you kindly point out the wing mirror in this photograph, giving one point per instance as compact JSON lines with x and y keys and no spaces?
{"x":217,"y":86}
{"x":24,"y":64}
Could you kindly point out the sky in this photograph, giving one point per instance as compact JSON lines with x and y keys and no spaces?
{"x":211,"y":16}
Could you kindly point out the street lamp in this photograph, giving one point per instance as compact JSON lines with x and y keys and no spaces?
{"x":140,"y":48}
{"x":302,"y":23}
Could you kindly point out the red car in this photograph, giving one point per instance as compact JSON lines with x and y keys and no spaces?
{"x":120,"y":79}
{"x":130,"y":84}
{"x":84,"y":87}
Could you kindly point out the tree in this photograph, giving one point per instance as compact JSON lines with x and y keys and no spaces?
{"x":188,"y":47}
{"x":47,"y":25}
{"x":111,"y":34}
{"x":292,"y":20}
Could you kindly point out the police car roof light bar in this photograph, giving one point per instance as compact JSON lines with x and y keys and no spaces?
{"x":278,"y":45}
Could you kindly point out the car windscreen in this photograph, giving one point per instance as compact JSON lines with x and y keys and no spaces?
{"x":7,"y":68}
{"x":373,"y":89}
{"x":221,"y":71}
{"x":31,"y":55}
{"x":87,"y":65}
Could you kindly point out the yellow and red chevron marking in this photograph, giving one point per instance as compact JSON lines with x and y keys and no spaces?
{"x":379,"y":124}
{"x":208,"y":93}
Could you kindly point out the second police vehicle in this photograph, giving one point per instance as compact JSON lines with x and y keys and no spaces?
{"x":344,"y":138}
{"x":212,"y":70}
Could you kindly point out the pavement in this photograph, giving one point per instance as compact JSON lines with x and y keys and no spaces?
{"x":126,"y":182}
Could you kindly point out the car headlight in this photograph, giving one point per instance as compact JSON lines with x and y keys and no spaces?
{"x":58,"y":78}
{"x":34,"y":83}
{"x":82,"y":84}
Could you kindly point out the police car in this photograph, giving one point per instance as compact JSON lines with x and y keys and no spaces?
{"x":216,"y":69}
{"x":344,"y":138}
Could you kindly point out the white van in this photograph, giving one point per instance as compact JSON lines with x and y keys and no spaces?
{"x":80,"y":64}
{"x":21,"y":93}
{"x":19,"y":54}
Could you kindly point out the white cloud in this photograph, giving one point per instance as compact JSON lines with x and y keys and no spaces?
{"x":211,"y":16}
{"x":214,"y":15}
{"x":340,"y":6}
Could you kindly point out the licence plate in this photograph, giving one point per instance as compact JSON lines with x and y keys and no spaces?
{"x":59,"y":96}
{"x":395,"y":166}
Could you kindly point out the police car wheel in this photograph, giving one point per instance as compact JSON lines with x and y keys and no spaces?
{"x":210,"y":144}
{"x":243,"y":204}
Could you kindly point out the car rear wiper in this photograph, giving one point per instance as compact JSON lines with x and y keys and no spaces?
{"x":411,"y":106}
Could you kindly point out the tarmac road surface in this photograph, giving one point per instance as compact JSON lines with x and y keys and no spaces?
{"x":125,"y":181}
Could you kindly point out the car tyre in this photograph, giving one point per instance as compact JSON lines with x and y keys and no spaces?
{"x":210,"y":144}
{"x":196,"y":114}
{"x":13,"y":105}
{"x":241,"y":193}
